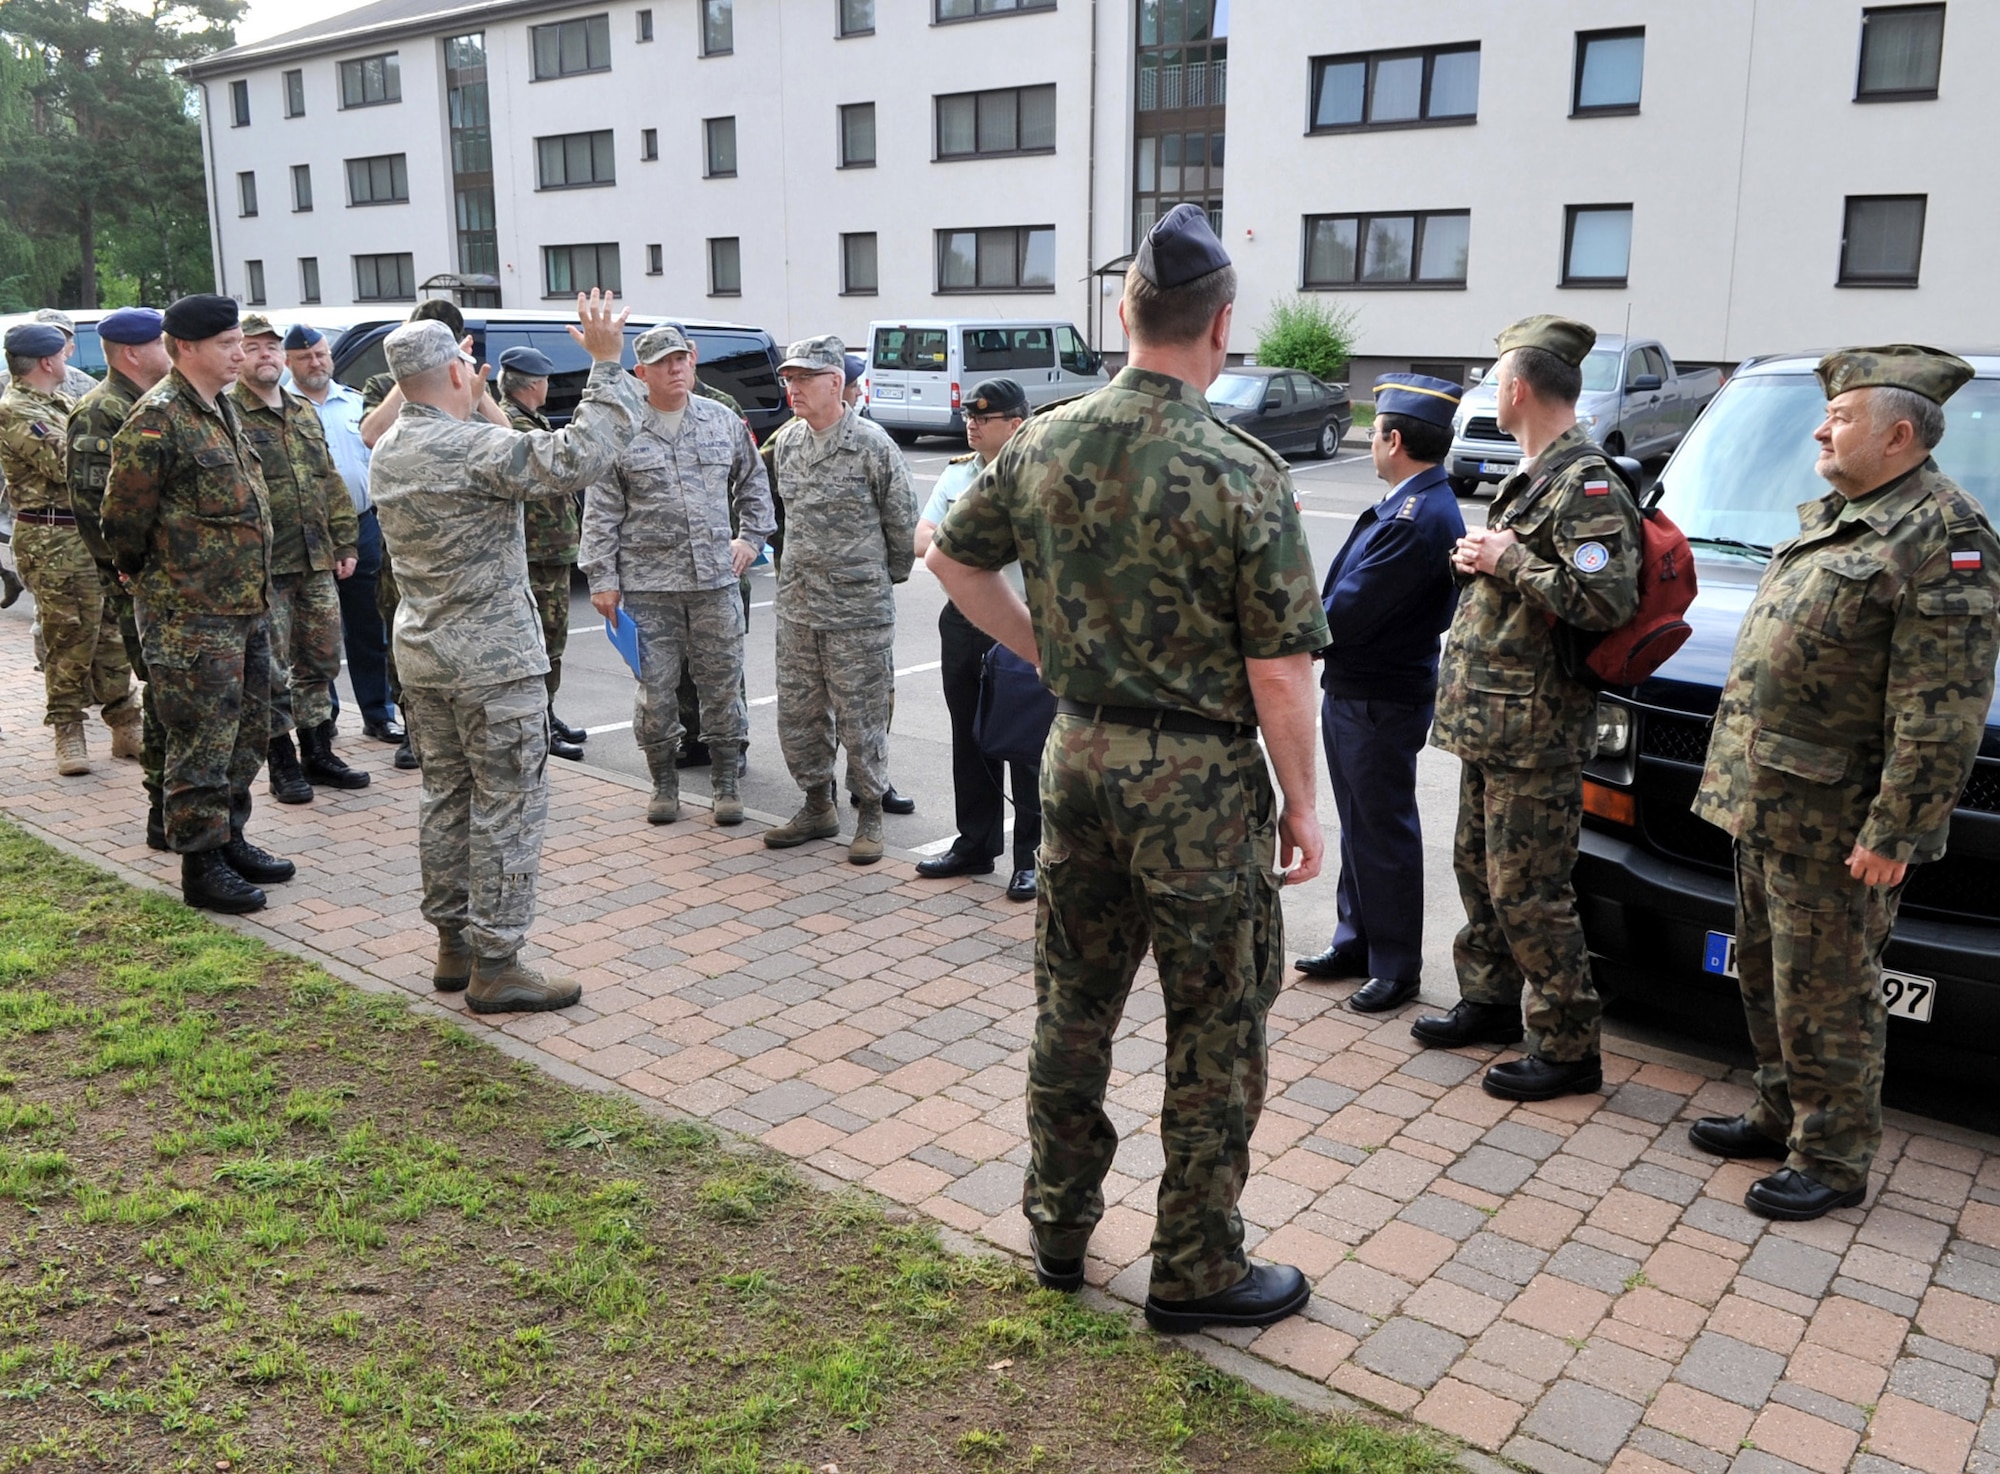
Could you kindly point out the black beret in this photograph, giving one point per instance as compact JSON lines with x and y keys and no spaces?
{"x":1179,"y":248}
{"x":998,"y":397}
{"x":200,"y":316}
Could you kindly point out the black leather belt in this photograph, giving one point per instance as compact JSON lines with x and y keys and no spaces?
{"x":1157,"y":718}
{"x":46,"y":516}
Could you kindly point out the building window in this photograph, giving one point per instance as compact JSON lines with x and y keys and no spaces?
{"x":649,"y":145}
{"x":568,"y":47}
{"x":1171,"y":167}
{"x":656,"y":263}
{"x":718,"y":27}
{"x":854,"y":18}
{"x":295,"y":94}
{"x":302,"y":187}
{"x":719,"y":147}
{"x":725,"y":266}
{"x":468,"y":110}
{"x":1609,"y":68}
{"x":567,"y":270}
{"x":1882,"y":243}
{"x":239,"y":104}
{"x":381,"y":180}
{"x":1901,"y":48}
{"x":575,"y":160}
{"x":1011,"y":259}
{"x":1395,"y":89}
{"x":1597,"y":245}
{"x":370,"y":81}
{"x":246,"y":192}
{"x":309,"y":278}
{"x":858,"y":276}
{"x":857,"y":135}
{"x":253,"y":283}
{"x":1012,"y":120}
{"x":390,"y":278}
{"x":1420,"y":249}
{"x":645,"y":25}
{"x":973,"y":9}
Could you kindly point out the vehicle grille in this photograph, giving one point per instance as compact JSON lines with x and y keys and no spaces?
{"x":1677,"y":739}
{"x":1982,"y":793}
{"x":1671,"y":827}
{"x":1956,"y":886}
{"x":1485,"y":427}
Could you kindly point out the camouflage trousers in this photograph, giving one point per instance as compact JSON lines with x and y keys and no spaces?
{"x":836,"y":683}
{"x":152,"y":737}
{"x":1514,"y":852}
{"x":305,"y":649}
{"x":1162,"y":839}
{"x":690,"y":699}
{"x":485,"y":755}
{"x":84,"y":662}
{"x":387,"y":598}
{"x":1809,"y":941}
{"x":550,"y":581}
{"x":210,"y":675}
{"x":698,"y":634}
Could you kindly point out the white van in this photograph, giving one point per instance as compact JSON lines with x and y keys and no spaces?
{"x":919,"y":370}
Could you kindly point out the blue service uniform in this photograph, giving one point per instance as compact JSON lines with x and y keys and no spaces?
{"x":1389,"y":598}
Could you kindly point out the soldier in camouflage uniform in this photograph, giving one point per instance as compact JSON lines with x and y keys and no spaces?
{"x":187,"y":522}
{"x":1854,"y":708}
{"x":314,"y":533}
{"x":1561,"y":543}
{"x":75,"y":384}
{"x":136,"y":359}
{"x":686,"y":697}
{"x":84,"y":663}
{"x":1171,"y":606}
{"x":851,"y":522}
{"x":657,"y":538}
{"x":469,"y":644}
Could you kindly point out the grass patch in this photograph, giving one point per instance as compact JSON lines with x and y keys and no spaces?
{"x":251,"y":1218}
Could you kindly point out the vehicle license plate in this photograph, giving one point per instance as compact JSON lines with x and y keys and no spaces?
{"x":889,"y":391}
{"x":1496,"y":468}
{"x":1903,"y":995}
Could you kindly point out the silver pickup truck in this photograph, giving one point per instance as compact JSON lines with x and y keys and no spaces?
{"x":1634,"y":403}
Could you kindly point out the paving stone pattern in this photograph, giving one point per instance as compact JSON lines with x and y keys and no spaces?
{"x":1569,"y":1285}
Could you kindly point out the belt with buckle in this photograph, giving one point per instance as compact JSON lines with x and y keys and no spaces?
{"x":1157,"y":718}
{"x":46,"y":516}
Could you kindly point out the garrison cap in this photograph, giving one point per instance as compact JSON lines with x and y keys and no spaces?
{"x":656,"y":343}
{"x":824,"y":355}
{"x":34,"y":340}
{"x":854,"y":368}
{"x":529,"y":361}
{"x":195,"y":318}
{"x":1565,"y":337}
{"x":1931,"y":372}
{"x":998,"y":397}
{"x":56,"y":319}
{"x":1418,"y":397}
{"x":1179,"y":248}
{"x":418,"y":347}
{"x":300,"y":336}
{"x":256,"y":325}
{"x":130,"y":325}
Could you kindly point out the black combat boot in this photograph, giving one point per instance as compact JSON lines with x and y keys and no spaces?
{"x":258,"y":866}
{"x":156,"y":827}
{"x":288,"y":781}
{"x":560,"y":728}
{"x":321,"y":764}
{"x":406,"y":755}
{"x":210,"y":884}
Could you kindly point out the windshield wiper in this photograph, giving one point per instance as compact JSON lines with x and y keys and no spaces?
{"x":1733,"y":544}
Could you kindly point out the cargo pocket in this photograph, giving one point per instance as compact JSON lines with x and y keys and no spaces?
{"x":1841,"y":610}
{"x":1960,"y":622}
{"x":1505,"y":703}
{"x":1202,"y":928}
{"x":217,"y":493}
{"x":1813,"y":761}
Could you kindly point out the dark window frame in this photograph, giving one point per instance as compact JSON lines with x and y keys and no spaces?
{"x":649,"y":145}
{"x":847,"y":287}
{"x":656,"y":260}
{"x":347,"y":166}
{"x":644,"y":28}
{"x":378,"y":257}
{"x":1603,"y":110}
{"x":610,"y":152}
{"x":1570,"y":213}
{"x":389,"y":98}
{"x":999,"y":11}
{"x":708,"y":135}
{"x":292,"y":85}
{"x":598,"y":250}
{"x":254,"y":286}
{"x":1848,"y":278}
{"x":856,"y":163}
{"x":1316,"y":76}
{"x":535,"y":72}
{"x":308,"y":280}
{"x":239,"y":103}
{"x":1896,"y":94}
{"x":715,"y":289}
{"x":246,"y":194}
{"x":302,"y":200}
{"x":702,"y":17}
{"x":938,"y":100}
{"x":840,"y":27}
{"x":941,"y":243}
{"x":1361,"y":219}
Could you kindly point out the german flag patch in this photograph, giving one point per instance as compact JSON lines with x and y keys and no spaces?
{"x":1597,"y":488}
{"x":151,"y":434}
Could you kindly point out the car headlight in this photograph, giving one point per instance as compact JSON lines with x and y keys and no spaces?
{"x":1589,"y":422}
{"x":1614,"y":729}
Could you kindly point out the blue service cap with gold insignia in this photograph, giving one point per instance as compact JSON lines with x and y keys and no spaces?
{"x":1179,"y":248}
{"x":301,"y":336}
{"x":131,"y":325}
{"x":35,"y":340}
{"x":1417,"y":396}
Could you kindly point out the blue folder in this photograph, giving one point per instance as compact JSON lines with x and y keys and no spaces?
{"x":624,"y":636}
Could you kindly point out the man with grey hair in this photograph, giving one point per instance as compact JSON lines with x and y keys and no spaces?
{"x":1847,"y":729}
{"x":656,"y":538}
{"x":449,"y":489}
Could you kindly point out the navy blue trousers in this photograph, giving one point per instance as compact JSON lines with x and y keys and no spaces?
{"x":1371,"y":756}
{"x":361,"y":625}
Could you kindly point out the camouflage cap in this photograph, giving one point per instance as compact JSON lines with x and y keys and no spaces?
{"x":823,"y":355}
{"x":56,"y":319}
{"x":656,"y":343}
{"x":1565,"y":337}
{"x":1931,"y":372}
{"x":256,"y":325}
{"x":417,"y":347}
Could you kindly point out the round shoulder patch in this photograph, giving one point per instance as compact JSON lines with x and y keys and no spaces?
{"x":1590,"y":558}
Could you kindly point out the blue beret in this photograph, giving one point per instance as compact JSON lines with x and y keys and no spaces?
{"x":35,"y":340}
{"x":196,"y":318}
{"x":530,"y":361}
{"x":1418,"y":397}
{"x":131,"y":325}
{"x":1179,"y":248}
{"x":302,"y":335}
{"x":855,"y":367}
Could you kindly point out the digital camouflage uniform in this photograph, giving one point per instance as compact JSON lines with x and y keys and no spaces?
{"x":1855,"y":705}
{"x":851,"y":521}
{"x":374,"y":389}
{"x":469,"y":643}
{"x":686,"y":696}
{"x":187,"y":521}
{"x":84,"y":663}
{"x":1161,"y":549}
{"x":551,"y":531}
{"x":313,"y":527}
{"x":1524,"y":730}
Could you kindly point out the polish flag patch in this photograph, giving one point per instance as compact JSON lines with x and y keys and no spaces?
{"x":1597,"y":488}
{"x":1965,"y":562}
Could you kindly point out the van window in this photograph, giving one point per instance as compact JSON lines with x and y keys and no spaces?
{"x":740,"y":366}
{"x":999,"y":350}
{"x":572,"y":364}
{"x":917,"y":350}
{"x":1075,"y":357}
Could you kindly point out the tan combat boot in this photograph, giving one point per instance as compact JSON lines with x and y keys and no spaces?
{"x":126,"y":737}
{"x":665,"y":806}
{"x":72,"y":753}
{"x":817,"y":820}
{"x":722,"y":782}
{"x":866,"y":847}
{"x":454,"y":963}
{"x":503,"y":985}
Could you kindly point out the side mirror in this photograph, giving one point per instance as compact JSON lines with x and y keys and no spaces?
{"x":1475,"y":376}
{"x":1642,"y":383}
{"x":1272,"y":402}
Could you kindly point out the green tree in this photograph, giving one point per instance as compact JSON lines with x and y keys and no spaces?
{"x":1305,"y":333}
{"x":100,"y":153}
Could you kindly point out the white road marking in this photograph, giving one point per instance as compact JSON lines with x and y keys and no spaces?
{"x":908,"y":670}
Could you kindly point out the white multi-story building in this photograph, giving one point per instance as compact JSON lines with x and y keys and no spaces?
{"x":1733,"y":176}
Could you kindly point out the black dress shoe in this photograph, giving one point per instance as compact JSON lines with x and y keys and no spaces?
{"x":1734,"y":1136}
{"x":1334,"y":965}
{"x":1269,"y":1292}
{"x":1792,"y":1195}
{"x":892,"y":801}
{"x":1380,"y":995}
{"x":1470,"y":1023}
{"x":259,"y":866}
{"x":389,"y":732}
{"x":1535,"y":1078}
{"x":210,"y":884}
{"x":1057,"y":1274}
{"x":559,"y":748}
{"x":406,"y":756}
{"x":1021,"y":886}
{"x":564,"y":730}
{"x":692,"y":755}
{"x":953,"y":862}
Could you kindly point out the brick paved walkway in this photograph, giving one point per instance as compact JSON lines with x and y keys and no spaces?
{"x":1569,"y":1285}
